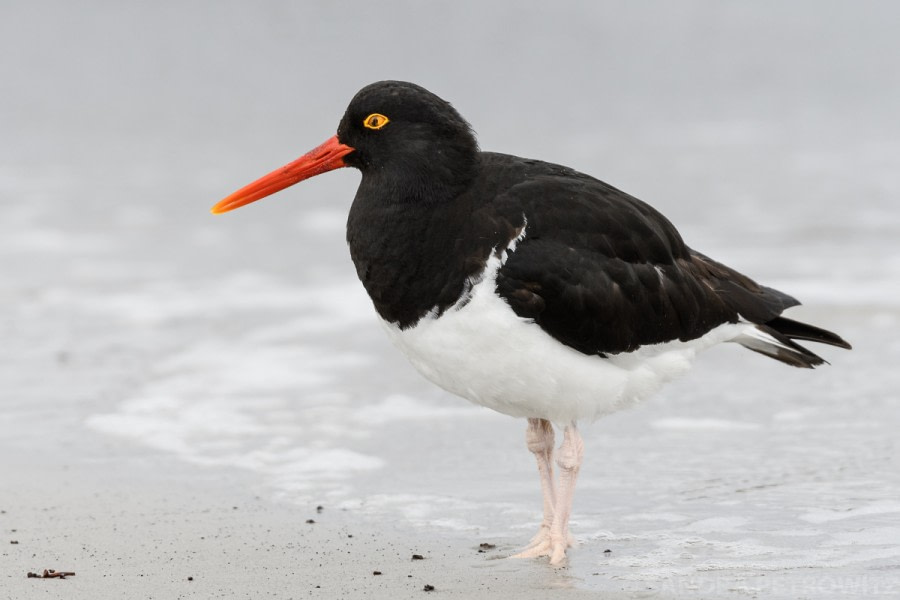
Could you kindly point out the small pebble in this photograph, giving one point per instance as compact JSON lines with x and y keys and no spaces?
{"x":429,"y":587}
{"x":190,"y":578}
{"x":376,"y":572}
{"x":13,"y":541}
{"x":320,"y":508}
{"x":310,"y":521}
{"x":418,"y":557}
{"x":607,"y":551}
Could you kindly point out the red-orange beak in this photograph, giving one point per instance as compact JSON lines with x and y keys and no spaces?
{"x":326,"y":157}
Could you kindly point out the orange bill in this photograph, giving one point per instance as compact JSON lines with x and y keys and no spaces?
{"x":326,"y":157}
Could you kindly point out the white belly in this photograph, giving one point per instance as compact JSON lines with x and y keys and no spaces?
{"x":485,"y":353}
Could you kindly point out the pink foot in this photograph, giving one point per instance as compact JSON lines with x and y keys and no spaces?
{"x":543,"y":544}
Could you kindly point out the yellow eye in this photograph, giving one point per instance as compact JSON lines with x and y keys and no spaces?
{"x":375,"y":121}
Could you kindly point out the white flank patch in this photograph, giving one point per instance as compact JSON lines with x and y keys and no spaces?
{"x":481,"y":350}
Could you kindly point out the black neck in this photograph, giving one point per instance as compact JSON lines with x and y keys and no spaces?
{"x":411,"y":242}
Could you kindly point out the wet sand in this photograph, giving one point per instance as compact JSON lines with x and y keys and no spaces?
{"x":145,"y":527}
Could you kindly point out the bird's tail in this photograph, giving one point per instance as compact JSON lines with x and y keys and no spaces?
{"x":775,"y":339}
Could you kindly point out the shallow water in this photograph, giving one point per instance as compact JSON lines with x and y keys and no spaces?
{"x":768,"y":134}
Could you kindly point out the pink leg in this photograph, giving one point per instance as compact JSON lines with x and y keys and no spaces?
{"x":569,"y":461}
{"x":539,"y":438}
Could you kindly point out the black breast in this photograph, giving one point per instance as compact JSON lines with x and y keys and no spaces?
{"x":415,"y":256}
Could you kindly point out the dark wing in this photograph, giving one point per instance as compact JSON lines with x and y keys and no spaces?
{"x":604,"y":273}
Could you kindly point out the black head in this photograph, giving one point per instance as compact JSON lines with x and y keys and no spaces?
{"x":404,"y":136}
{"x":409,"y":144}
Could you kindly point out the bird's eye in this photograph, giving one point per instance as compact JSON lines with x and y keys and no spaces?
{"x":375,"y":121}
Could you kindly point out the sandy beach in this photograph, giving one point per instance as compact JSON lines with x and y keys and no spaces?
{"x":135,"y":527}
{"x":180,"y":392}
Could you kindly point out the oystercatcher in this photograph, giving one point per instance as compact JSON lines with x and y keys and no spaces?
{"x":526,"y":286}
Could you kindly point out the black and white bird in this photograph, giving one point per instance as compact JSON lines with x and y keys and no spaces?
{"x":525,"y":286}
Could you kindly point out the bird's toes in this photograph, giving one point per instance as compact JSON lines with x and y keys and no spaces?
{"x":558,"y":555}
{"x":542,"y":536}
{"x":559,"y":542}
{"x":535,"y":549}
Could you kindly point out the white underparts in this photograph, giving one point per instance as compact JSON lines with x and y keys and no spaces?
{"x":481,"y":350}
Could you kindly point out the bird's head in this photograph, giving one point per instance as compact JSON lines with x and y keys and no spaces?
{"x":401,"y":136}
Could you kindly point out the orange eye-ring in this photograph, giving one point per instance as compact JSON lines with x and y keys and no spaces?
{"x":375,"y":121}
